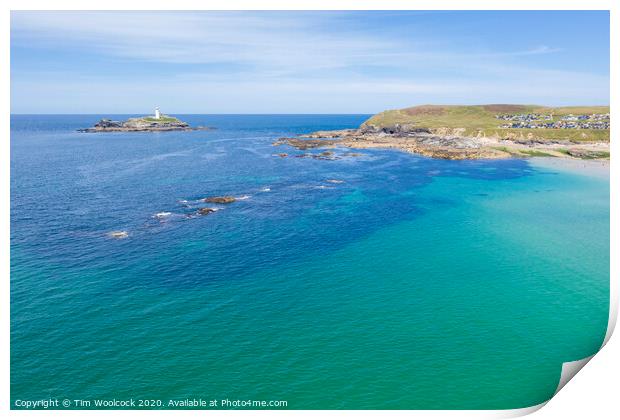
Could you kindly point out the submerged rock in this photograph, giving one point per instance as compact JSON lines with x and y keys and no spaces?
{"x":220,"y":200}
{"x":206,"y":210}
{"x":321,"y":156}
{"x":329,"y":134}
{"x":300,"y":144}
{"x":118,"y":234}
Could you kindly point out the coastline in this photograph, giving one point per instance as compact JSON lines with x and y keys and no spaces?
{"x":448,"y":144}
{"x":598,"y":168}
{"x":397,"y":219}
{"x":451,"y":146}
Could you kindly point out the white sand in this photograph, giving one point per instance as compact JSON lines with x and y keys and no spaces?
{"x":596,"y":167}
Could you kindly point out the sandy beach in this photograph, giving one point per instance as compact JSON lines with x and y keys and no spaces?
{"x":596,"y":167}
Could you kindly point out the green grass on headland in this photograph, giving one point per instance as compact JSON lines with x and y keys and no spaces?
{"x":162,"y":119}
{"x":525,"y":152}
{"x":480,"y":120}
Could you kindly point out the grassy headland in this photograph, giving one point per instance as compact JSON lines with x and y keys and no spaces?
{"x":481,"y":121}
{"x":476,"y":132}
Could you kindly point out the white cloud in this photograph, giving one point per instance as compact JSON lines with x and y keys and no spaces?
{"x":270,"y":40}
{"x":257,"y":39}
{"x":273,"y":62}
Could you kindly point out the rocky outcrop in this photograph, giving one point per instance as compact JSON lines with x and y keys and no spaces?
{"x":588,"y":154}
{"x":394,"y":129}
{"x":329,"y":134}
{"x":165,"y":123}
{"x":403,"y":137}
{"x":105,"y":124}
{"x":320,"y":156}
{"x":440,"y":147}
{"x":205,"y":210}
{"x":303,"y":144}
{"x":436,"y":143}
{"x":220,"y":200}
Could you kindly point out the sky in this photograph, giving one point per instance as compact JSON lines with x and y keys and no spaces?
{"x":262,"y":62}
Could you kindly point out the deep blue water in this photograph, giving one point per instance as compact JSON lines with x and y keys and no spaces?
{"x":70,"y":188}
{"x":287,"y":293}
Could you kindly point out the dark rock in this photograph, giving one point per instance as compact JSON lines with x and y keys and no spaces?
{"x":205,"y":210}
{"x":220,"y":200}
{"x":105,"y":123}
{"x":329,"y":134}
{"x":587,"y":154}
{"x":300,"y":144}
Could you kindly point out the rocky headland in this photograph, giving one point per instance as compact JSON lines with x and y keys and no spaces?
{"x":457,"y":133}
{"x":419,"y":142}
{"x":165,"y":123}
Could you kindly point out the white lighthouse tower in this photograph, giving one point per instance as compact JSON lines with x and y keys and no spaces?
{"x":157,"y":113}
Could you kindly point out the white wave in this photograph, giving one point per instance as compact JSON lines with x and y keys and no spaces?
{"x":266,"y":189}
{"x":162,"y":214}
{"x":118,"y":234}
{"x":243,"y":197}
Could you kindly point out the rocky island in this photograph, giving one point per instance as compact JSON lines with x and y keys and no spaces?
{"x":157,"y":122}
{"x":475,"y":132}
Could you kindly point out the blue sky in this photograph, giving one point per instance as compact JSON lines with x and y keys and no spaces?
{"x":304,"y":62}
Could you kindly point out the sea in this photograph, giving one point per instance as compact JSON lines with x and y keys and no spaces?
{"x":367,"y":279}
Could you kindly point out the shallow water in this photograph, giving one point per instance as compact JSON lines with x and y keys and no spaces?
{"x":414,"y":283}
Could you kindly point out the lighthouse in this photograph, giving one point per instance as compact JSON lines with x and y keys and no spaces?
{"x":157,"y":113}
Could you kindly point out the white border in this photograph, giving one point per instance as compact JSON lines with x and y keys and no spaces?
{"x":611,"y":358}
{"x":313,"y":5}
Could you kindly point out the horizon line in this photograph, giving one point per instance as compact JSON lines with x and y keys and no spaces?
{"x":208,"y":113}
{"x":301,"y":113}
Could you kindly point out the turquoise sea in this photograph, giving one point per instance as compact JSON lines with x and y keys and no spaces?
{"x":409,"y":283}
